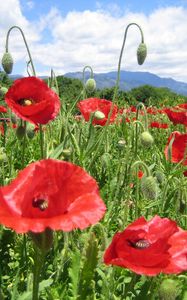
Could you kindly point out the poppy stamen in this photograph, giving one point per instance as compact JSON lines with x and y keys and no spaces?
{"x":141,"y":244}
{"x":26,"y":102}
{"x":42,"y":204}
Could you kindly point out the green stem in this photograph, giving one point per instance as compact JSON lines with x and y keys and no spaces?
{"x":26,"y":45}
{"x":41,"y":141}
{"x":38,"y":263}
{"x":121,"y":54}
{"x":23,"y":145}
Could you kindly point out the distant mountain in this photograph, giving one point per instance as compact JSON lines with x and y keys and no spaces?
{"x":129,"y":80}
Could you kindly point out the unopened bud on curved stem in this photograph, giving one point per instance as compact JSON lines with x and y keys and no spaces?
{"x":26,"y":45}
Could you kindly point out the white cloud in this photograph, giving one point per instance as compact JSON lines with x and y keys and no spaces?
{"x":95,"y":38}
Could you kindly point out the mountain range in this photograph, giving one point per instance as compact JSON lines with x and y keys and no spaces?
{"x":129,"y":80}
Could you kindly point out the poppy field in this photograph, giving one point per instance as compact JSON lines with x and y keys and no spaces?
{"x":93,"y":198}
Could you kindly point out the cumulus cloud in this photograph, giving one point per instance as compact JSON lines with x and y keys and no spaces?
{"x":95,"y":38}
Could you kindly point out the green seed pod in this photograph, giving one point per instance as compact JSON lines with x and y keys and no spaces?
{"x":141,"y":53}
{"x":168,"y":290}
{"x":3,"y":91}
{"x":149,"y":187}
{"x":146,"y":139}
{"x":99,"y":115}
{"x":20,"y":132}
{"x":7,"y":62}
{"x":90,"y":85}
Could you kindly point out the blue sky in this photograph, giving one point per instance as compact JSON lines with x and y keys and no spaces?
{"x":67,"y":35}
{"x":43,"y":6}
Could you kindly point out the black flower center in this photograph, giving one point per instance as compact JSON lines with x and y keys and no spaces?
{"x":25,"y":102}
{"x":42,"y":204}
{"x":141,"y":244}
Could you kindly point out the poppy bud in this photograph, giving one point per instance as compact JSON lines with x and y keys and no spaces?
{"x":146,"y":139}
{"x":99,"y":115}
{"x":90,"y":85}
{"x":3,"y":156}
{"x":30,"y":130}
{"x":20,"y":132}
{"x":121,"y":144}
{"x":66,"y":153}
{"x":168,"y":290}
{"x":3,"y":91}
{"x":43,"y":240}
{"x":141,"y":53}
{"x":149,"y":187}
{"x":7,"y":62}
{"x":160,"y":177}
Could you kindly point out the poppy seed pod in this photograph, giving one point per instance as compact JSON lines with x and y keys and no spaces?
{"x":141,"y":53}
{"x":146,"y":139}
{"x":90,"y":85}
{"x":168,"y":290}
{"x":149,"y":187}
{"x":7,"y":62}
{"x":99,"y":115}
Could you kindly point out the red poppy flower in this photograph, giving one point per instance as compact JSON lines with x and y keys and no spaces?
{"x":152,"y":110}
{"x":3,"y":109}
{"x":149,"y":248}
{"x":158,"y":125}
{"x":178,"y":147}
{"x":177,"y":114}
{"x":91,"y":105}
{"x":32,"y":100}
{"x":51,"y":194}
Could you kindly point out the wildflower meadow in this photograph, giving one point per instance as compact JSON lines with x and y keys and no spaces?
{"x":93,"y":198}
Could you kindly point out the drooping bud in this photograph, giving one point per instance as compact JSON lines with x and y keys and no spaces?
{"x":160,"y":176}
{"x":149,"y":187}
{"x":20,"y":132}
{"x":30,"y":130}
{"x":168,"y":290}
{"x":146,"y":139}
{"x":7,"y":62}
{"x":141,"y":53}
{"x":3,"y":91}
{"x":90,"y":85}
{"x":99,"y":115}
